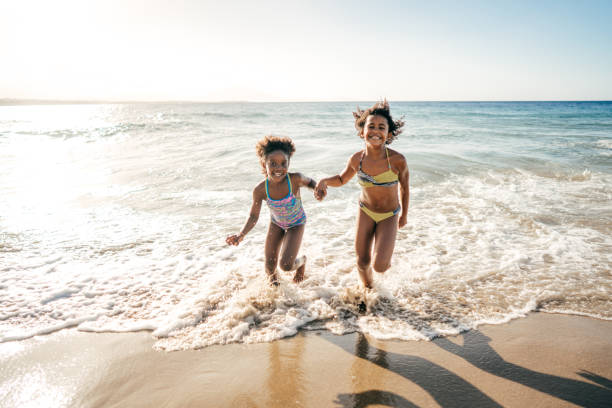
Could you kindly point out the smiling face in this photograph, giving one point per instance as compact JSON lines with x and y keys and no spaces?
{"x":375,"y":130}
{"x":277,"y":165}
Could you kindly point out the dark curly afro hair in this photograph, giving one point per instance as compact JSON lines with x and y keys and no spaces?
{"x":380,"y":108}
{"x":271,"y":144}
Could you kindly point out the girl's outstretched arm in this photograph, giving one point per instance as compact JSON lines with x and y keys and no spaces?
{"x":259,"y":194}
{"x":339,"y":179}
{"x":404,"y":179}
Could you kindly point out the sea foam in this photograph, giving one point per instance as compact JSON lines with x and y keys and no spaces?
{"x":121,"y":226}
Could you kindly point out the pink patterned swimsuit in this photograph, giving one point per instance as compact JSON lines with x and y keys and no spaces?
{"x":286,"y":212}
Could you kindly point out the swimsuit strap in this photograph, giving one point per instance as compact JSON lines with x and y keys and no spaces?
{"x":388,"y":161}
{"x":361,"y":159}
{"x":288,"y":182}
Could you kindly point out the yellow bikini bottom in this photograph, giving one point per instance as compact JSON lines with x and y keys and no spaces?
{"x":378,"y":217}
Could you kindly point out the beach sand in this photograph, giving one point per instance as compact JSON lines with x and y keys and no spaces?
{"x":543,"y":360}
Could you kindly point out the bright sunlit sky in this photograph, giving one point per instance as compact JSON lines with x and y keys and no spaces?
{"x":305,"y":50}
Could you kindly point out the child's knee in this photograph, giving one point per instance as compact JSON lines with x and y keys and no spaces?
{"x":381,"y":266}
{"x":286,"y":264}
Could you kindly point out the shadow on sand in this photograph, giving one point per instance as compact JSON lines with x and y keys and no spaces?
{"x":445,"y":387}
{"x":477,"y":351}
{"x":373,"y":397}
{"x":450,"y":390}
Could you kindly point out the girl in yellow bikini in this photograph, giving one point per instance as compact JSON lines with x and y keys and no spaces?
{"x":379,"y":171}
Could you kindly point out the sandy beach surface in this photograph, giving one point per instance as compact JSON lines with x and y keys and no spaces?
{"x":543,"y":360}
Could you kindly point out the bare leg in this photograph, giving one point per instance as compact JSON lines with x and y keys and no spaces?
{"x":384,"y":243}
{"x":273,"y":243}
{"x":291,"y":247}
{"x":363,"y":246}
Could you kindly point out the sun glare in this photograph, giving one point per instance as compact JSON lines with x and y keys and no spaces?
{"x":46,"y":176}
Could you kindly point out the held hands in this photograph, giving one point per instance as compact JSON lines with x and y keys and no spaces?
{"x":320,"y":190}
{"x":234,"y":239}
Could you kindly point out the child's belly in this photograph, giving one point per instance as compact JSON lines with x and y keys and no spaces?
{"x":380,"y":199}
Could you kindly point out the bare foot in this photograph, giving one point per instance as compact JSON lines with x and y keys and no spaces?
{"x":273,"y":279}
{"x":299,"y":272}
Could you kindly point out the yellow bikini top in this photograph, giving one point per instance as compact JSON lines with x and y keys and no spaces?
{"x":387,"y":178}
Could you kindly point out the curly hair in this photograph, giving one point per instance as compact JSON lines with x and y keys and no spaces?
{"x":271,"y":144}
{"x":380,"y":108}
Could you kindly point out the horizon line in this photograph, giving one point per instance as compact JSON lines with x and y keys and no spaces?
{"x":42,"y":101}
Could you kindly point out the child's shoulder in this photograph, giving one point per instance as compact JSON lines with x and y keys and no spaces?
{"x":397,"y":159}
{"x":395,"y":155}
{"x":296,"y":176}
{"x":261,"y":184}
{"x":356,"y":157}
{"x":260,"y":189}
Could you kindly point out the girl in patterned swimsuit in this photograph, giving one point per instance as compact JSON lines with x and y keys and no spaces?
{"x":380,"y":204}
{"x":281,"y":191}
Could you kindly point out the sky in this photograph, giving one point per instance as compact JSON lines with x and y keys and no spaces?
{"x":200,"y":50}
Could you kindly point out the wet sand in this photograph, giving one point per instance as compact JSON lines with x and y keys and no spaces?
{"x":543,"y":360}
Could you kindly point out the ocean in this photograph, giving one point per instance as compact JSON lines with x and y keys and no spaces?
{"x":113,"y":218}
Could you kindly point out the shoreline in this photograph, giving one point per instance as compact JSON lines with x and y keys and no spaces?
{"x":540,"y":360}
